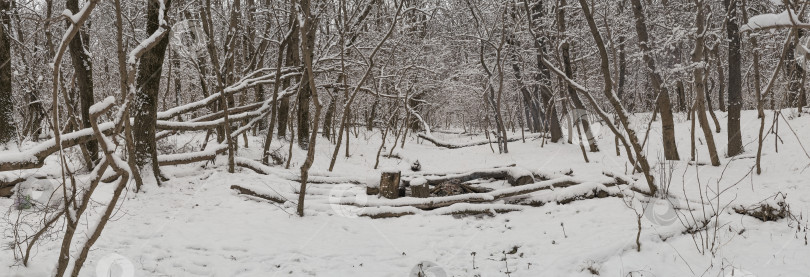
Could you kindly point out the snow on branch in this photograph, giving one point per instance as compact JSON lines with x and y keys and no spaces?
{"x":246,"y":82}
{"x":786,"y":19}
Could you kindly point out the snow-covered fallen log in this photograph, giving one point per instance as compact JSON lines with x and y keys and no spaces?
{"x":241,"y":85}
{"x":315,"y":177}
{"x":516,"y":176}
{"x":456,"y":209}
{"x":277,"y":198}
{"x":186,"y":158}
{"x":452,"y":145}
{"x":35,"y":156}
{"x":444,"y":201}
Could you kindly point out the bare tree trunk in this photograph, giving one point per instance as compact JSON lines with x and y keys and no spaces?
{"x":735,"y":146}
{"x":681,"y":96}
{"x":531,"y":108}
{"x":544,"y":78}
{"x":8,"y":129}
{"x":580,"y":113}
{"x":329,"y":116}
{"x":614,"y":101}
{"x":794,"y":73}
{"x":222,"y":77}
{"x":699,"y":74}
{"x":308,"y":46}
{"x":148,"y":84}
{"x":83,"y":66}
{"x":757,"y":89}
{"x":664,"y":106}
{"x":124,"y":83}
{"x":721,"y":79}
{"x":292,"y":59}
{"x":273,"y":113}
{"x":302,"y":114}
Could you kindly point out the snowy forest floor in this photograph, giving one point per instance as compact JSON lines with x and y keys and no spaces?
{"x":195,"y":225}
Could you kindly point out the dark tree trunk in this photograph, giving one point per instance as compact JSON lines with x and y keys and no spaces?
{"x":83,"y":66}
{"x":622,"y":68}
{"x":681,"y":96}
{"x":8,"y":129}
{"x":544,"y":79}
{"x":302,"y":114}
{"x":283,"y":116}
{"x":664,"y":106}
{"x":531,"y":107}
{"x":147,"y":85}
{"x":329,"y":117}
{"x":734,"y":82}
{"x":292,"y":59}
{"x":372,"y":115}
{"x":580,"y":113}
{"x":721,"y":78}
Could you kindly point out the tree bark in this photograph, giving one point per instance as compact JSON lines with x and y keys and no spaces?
{"x":148,"y":84}
{"x":544,"y":77}
{"x":614,"y":101}
{"x":8,"y":128}
{"x":83,"y":66}
{"x":699,"y":74}
{"x":580,"y":114}
{"x":292,"y":59}
{"x":735,"y":146}
{"x":308,"y":46}
{"x":664,"y":106}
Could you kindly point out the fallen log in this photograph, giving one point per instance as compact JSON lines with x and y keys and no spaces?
{"x":451,"y":145}
{"x":460,"y":209}
{"x":35,"y":157}
{"x":193,"y":157}
{"x":249,"y":192}
{"x":314,"y":177}
{"x":7,"y":186}
{"x":239,"y":86}
{"x":515,"y":176}
{"x":444,"y":201}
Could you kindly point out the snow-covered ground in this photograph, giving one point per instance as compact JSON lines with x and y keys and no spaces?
{"x":195,"y":225}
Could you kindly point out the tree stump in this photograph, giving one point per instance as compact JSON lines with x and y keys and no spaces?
{"x":520,"y":180}
{"x":389,"y":184}
{"x":420,"y":191}
{"x":519,"y":176}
